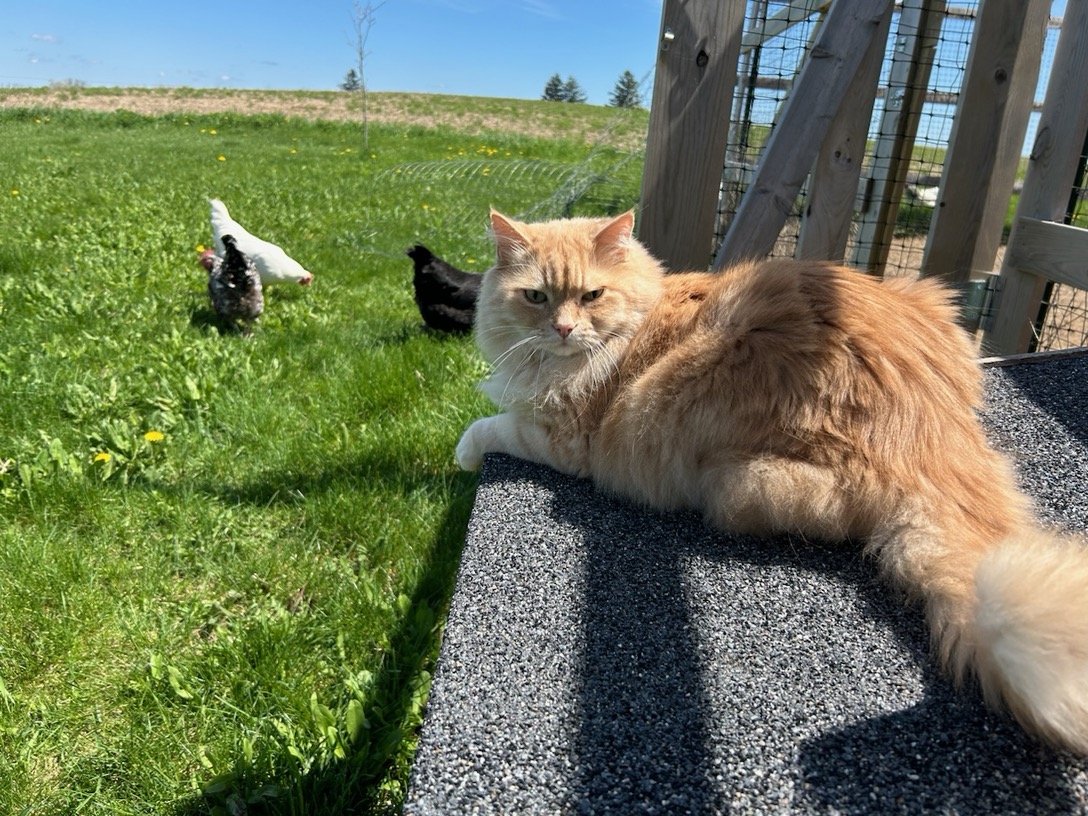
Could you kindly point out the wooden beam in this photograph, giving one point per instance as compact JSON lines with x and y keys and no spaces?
{"x":1052,"y":165}
{"x":1057,"y":252}
{"x":685,"y":147}
{"x":833,"y":189}
{"x":986,"y":139}
{"x":1001,"y":361}
{"x":806,"y":117}
{"x":783,"y":20}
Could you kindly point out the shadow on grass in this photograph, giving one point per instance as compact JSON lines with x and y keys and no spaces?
{"x":393,"y":704}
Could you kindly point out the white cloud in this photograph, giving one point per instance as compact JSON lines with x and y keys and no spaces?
{"x":542,"y":8}
{"x":46,"y":38}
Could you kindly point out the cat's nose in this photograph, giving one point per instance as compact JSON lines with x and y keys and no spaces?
{"x":564,"y":329}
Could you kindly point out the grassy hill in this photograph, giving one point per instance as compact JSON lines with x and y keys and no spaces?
{"x":624,"y":129}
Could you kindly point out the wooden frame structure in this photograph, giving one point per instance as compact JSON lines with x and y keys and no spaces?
{"x":1040,"y":247}
{"x":819,"y":142}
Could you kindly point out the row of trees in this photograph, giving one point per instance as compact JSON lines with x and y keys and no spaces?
{"x":626,"y":94}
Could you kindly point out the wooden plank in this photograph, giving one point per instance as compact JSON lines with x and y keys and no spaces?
{"x":806,"y":117}
{"x":1057,"y":252}
{"x":912,"y":62}
{"x":986,"y":138}
{"x":1051,"y":167}
{"x":693,"y":87}
{"x":783,"y":20}
{"x":833,"y":189}
{"x":1003,"y":360}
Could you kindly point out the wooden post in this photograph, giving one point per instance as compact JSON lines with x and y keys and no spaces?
{"x":1052,"y":164}
{"x":805,"y":120}
{"x":689,"y":116}
{"x":908,"y":82}
{"x":825,"y":228}
{"x":986,"y":139}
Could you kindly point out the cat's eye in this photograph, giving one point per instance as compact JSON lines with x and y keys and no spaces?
{"x":588,"y":296}
{"x":535,"y":296}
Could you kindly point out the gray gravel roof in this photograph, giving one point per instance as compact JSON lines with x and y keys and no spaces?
{"x":602,"y":659}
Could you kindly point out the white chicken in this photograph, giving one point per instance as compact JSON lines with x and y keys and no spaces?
{"x":273,"y":264}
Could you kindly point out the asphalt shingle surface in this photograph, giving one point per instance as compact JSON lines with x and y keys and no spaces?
{"x":602,"y":659}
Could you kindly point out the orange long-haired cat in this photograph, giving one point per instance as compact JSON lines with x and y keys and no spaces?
{"x":793,"y":397}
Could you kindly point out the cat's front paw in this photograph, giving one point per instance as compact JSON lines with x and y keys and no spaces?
{"x":470,"y":453}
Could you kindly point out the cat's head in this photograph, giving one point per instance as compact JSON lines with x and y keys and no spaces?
{"x":564,"y":291}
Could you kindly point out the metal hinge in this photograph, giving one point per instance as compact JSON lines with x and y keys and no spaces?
{"x":978,"y":300}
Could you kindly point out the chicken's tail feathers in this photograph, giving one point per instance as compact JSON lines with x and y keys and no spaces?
{"x":220,"y":219}
{"x":236,"y":262}
{"x":420,"y":254}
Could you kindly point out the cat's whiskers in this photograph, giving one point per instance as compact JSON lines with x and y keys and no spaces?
{"x":522,"y":362}
{"x":603,"y":359}
{"x":505,"y":357}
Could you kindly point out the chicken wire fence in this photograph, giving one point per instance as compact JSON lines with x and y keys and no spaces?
{"x":777,"y":38}
{"x":1063,"y":317}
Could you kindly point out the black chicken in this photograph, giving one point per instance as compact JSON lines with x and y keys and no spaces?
{"x":446,"y":296}
{"x":234,"y":285}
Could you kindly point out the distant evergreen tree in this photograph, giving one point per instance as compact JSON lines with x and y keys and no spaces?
{"x":626,"y":93}
{"x":572,"y":91}
{"x":351,"y":81}
{"x":553,"y":91}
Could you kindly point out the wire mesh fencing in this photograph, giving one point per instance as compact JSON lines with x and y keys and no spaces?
{"x":922,"y":75}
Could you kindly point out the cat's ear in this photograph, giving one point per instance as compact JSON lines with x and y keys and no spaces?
{"x":613,"y":241}
{"x":507,"y":237}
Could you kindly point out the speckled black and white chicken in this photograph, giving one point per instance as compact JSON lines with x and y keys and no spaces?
{"x":234,"y":286}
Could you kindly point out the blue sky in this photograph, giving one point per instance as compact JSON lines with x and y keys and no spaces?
{"x":505,"y":48}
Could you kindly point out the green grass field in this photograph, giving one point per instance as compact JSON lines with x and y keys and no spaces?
{"x":225,"y":562}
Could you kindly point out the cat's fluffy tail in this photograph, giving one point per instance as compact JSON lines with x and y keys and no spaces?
{"x":1028,"y":635}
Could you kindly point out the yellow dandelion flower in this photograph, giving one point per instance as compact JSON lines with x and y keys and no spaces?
{"x":470,"y":260}
{"x":200,"y":247}
{"x":293,"y":151}
{"x":426,"y":206}
{"x":211,"y":132}
{"x":220,"y":158}
{"x":102,"y":457}
{"x":154,"y":436}
{"x":15,"y":192}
